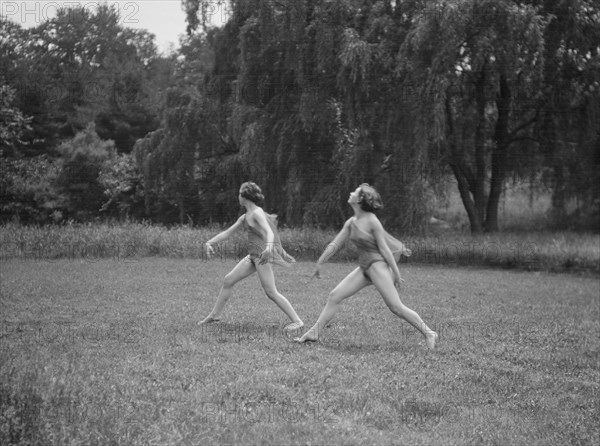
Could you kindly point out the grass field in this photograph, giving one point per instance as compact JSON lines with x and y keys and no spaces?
{"x":108,"y":352}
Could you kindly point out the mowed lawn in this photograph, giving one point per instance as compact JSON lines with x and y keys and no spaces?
{"x":109,"y":352}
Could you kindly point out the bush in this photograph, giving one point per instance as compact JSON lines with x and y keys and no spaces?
{"x":82,"y":160}
{"x":28,"y":193}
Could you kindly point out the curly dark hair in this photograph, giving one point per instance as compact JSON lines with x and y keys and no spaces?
{"x":369,"y":199}
{"x":252,"y":192}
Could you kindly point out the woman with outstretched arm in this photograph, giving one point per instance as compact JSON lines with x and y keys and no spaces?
{"x":264,"y":249}
{"x":378,"y":256}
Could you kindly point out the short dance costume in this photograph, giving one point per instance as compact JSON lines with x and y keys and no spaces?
{"x":368,"y":252}
{"x":256,"y":244}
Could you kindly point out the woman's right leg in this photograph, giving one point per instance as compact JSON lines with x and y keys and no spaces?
{"x":242,"y":270}
{"x":352,"y":284}
{"x":267,"y":280}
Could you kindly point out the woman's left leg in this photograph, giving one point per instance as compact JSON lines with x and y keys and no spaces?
{"x":381,"y":277}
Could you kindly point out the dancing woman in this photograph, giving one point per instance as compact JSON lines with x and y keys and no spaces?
{"x":378,"y":254}
{"x":264,"y":248}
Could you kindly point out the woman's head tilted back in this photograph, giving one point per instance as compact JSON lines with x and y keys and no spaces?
{"x":251,"y":191}
{"x":369,"y":199}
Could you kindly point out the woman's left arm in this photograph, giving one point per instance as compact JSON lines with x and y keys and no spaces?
{"x":385,"y":250}
{"x":261,"y":220}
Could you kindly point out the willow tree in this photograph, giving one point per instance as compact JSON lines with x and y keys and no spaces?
{"x":171,"y":158}
{"x":378,"y":106}
{"x":569,"y":123}
{"x":167,"y":159}
{"x":477,"y":67}
{"x":275,"y":68}
{"x":315,"y":104}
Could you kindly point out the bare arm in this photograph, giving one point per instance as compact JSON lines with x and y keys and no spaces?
{"x":333,"y":247}
{"x":261,"y":219}
{"x":223,"y":235}
{"x":337,"y":242}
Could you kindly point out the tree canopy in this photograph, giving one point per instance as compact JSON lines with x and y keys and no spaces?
{"x":310,"y":98}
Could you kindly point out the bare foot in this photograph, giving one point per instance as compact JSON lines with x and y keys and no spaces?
{"x":208,"y":320}
{"x":294,"y":326}
{"x":431,"y":338}
{"x":307,"y":337}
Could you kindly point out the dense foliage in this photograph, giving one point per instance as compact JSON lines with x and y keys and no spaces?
{"x":308,"y":98}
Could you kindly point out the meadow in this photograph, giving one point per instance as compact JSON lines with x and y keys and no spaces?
{"x":99,"y":342}
{"x":108,"y":351}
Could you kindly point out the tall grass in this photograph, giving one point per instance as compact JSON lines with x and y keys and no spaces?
{"x":547,"y":251}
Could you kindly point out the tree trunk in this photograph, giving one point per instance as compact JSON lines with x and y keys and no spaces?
{"x":147,"y":202}
{"x":498,"y":157}
{"x":480,"y":164}
{"x":463,"y":188}
{"x":465,"y":179}
{"x":181,"y":211}
{"x":559,"y":200}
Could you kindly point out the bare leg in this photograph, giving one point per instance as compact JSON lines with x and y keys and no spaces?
{"x":352,"y":284}
{"x":382,"y":279}
{"x":265,"y":274}
{"x":242,"y":270}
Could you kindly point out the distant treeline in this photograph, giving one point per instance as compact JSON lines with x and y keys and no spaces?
{"x":308,"y":99}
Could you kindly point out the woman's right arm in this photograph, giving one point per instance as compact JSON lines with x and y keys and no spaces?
{"x":224,"y":235}
{"x":333,"y":247}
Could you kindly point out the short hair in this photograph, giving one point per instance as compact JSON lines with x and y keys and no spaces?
{"x":252,"y":192}
{"x":369,"y":199}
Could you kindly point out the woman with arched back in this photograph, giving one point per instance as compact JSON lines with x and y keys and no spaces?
{"x":378,"y":256}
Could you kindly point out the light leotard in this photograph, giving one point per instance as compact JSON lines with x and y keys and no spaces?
{"x":257,"y":244}
{"x":368,"y":251}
